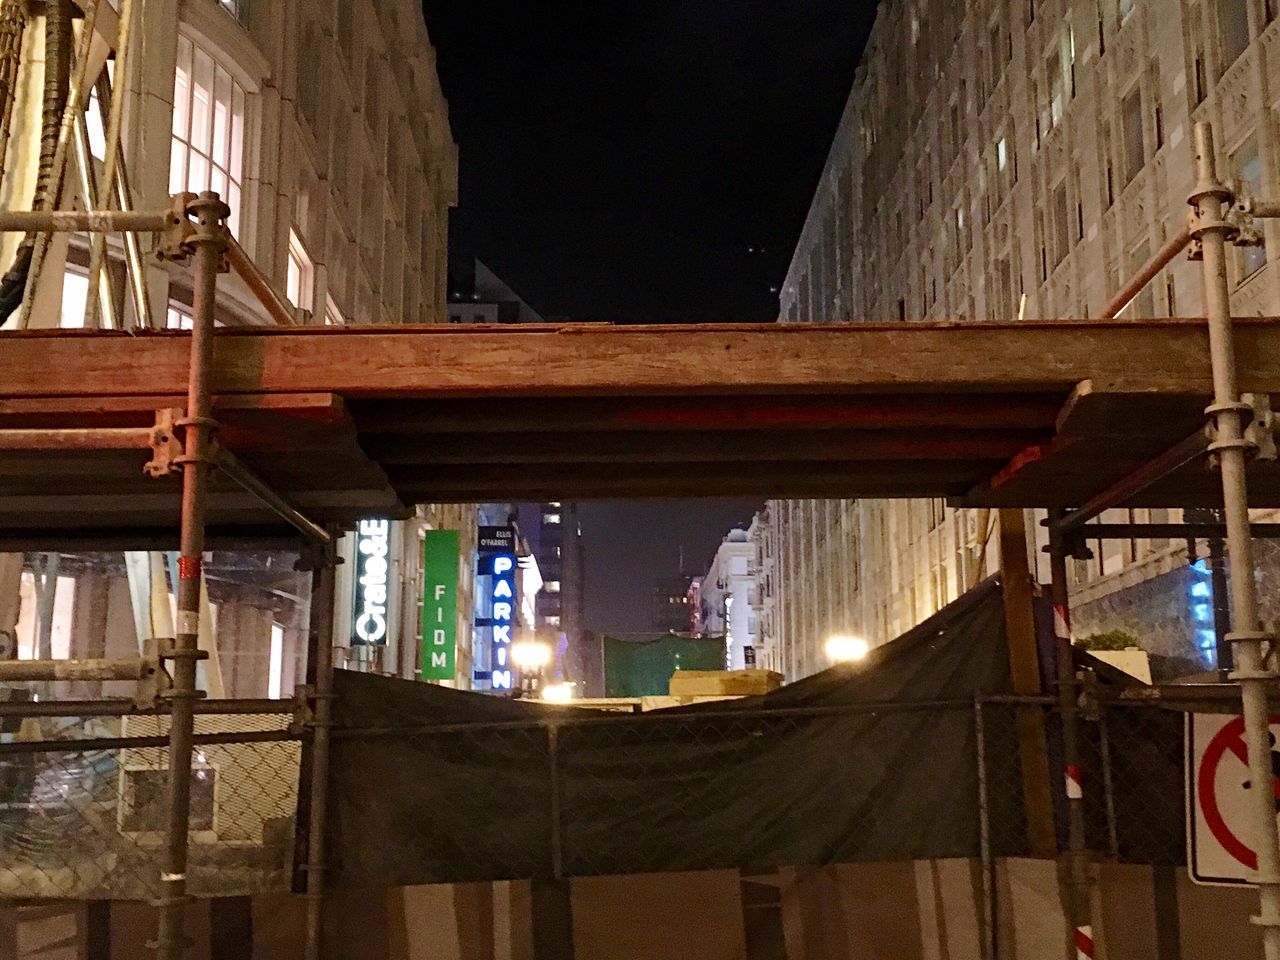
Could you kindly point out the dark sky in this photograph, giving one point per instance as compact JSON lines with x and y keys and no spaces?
{"x":643,"y":162}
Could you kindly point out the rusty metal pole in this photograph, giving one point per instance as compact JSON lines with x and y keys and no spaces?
{"x":208,"y":242}
{"x":1079,"y":906}
{"x":322,"y":595}
{"x":1229,"y":415}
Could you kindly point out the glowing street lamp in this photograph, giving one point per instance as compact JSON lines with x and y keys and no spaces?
{"x":557,"y":692}
{"x":845,"y":649}
{"x":531,"y":654}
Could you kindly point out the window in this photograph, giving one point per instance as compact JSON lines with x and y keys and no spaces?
{"x":178,"y":319}
{"x":1248,"y":168}
{"x":550,"y":518}
{"x":237,"y":8}
{"x":1057,"y":89}
{"x":75,"y":296}
{"x":300,"y":281}
{"x":553,"y":586}
{"x":208,"y":129}
{"x":1233,"y":29}
{"x":553,"y":621}
{"x":1126,"y":10}
{"x":1061,"y":224}
{"x":332,"y":315}
{"x":275,"y":669}
{"x":1135,"y":147}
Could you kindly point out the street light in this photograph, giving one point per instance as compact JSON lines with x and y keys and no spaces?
{"x":531,"y":654}
{"x":845,"y":649}
{"x":558,"y":692}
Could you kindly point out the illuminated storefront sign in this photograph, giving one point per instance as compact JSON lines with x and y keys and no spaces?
{"x":502,"y":616}
{"x":440,"y":549}
{"x":369,"y":611}
{"x":496,"y":601}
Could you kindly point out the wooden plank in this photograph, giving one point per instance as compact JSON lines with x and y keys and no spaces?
{"x":599,"y":360}
{"x":685,"y":447}
{"x":1013,"y":411}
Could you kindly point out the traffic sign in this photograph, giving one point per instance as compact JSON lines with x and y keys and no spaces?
{"x":1220,"y":849}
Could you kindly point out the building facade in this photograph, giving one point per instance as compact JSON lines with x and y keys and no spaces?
{"x":1015,"y":159}
{"x":669,"y":610}
{"x":729,"y":599}
{"x":324,"y":127}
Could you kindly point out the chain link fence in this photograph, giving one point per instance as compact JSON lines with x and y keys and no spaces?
{"x":753,"y":789}
{"x":84,"y":805}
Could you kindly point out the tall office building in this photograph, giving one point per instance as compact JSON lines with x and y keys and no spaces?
{"x":1011,"y":159}
{"x":324,"y":127}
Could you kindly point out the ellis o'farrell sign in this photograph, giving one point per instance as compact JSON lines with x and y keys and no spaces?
{"x":369,"y":612}
{"x":440,"y":551}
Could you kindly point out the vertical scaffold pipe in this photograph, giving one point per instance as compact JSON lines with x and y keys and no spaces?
{"x":209,"y":243}
{"x":322,"y":588}
{"x":1078,"y":900}
{"x":1229,"y":416}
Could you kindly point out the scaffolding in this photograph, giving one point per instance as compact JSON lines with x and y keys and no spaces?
{"x":193,"y":230}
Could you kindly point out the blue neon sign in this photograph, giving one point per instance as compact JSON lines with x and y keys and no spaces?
{"x":502,"y":606}
{"x":1201,"y":596}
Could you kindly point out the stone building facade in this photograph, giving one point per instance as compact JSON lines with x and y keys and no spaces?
{"x":1012,"y":159}
{"x":324,"y":126}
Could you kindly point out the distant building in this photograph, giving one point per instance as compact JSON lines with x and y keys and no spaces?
{"x":669,"y":612}
{"x":694,"y":599}
{"x":479,"y":295}
{"x":730,"y":599}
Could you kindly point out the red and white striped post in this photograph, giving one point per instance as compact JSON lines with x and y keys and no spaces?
{"x":1078,"y":901}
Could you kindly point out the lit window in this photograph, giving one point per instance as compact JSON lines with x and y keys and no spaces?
{"x":550,"y":518}
{"x":301,"y":278}
{"x":237,"y":8}
{"x":93,"y":118}
{"x":552,"y":621}
{"x":275,"y":670}
{"x":75,"y":294}
{"x":551,"y":586}
{"x":208,"y":129}
{"x":177,"y":319}
{"x":332,"y":315}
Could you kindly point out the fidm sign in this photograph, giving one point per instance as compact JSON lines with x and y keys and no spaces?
{"x":440,"y":549}
{"x":369,"y":609}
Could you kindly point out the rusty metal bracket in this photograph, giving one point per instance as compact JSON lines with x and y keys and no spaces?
{"x":174,"y":242}
{"x":166,"y":448}
{"x":1262,"y":429}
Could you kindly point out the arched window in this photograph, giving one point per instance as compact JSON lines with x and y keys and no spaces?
{"x":208,"y":128}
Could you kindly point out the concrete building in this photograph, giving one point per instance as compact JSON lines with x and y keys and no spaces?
{"x":669,"y":611}
{"x":730,"y":600}
{"x":324,"y":127}
{"x":1000,"y":160}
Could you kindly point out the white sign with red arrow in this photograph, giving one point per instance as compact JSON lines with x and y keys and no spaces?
{"x":1220,"y":848}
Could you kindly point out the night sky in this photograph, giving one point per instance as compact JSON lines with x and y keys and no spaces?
{"x":643,"y":162}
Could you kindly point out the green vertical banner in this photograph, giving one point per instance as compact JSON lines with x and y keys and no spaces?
{"x":440,"y":604}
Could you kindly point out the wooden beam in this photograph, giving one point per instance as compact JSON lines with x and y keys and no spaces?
{"x":1016,"y":581}
{"x":600,"y":360}
{"x":1012,"y":411}
{"x":684,"y":447}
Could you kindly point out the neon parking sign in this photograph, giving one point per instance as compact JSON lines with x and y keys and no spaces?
{"x":502,"y":616}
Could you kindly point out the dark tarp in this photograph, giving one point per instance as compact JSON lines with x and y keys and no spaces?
{"x":875,"y":761}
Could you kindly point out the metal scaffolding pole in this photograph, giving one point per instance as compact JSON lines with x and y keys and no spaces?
{"x":1229,"y":416}
{"x":321,"y":649}
{"x":1079,"y":907}
{"x":209,"y":242}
